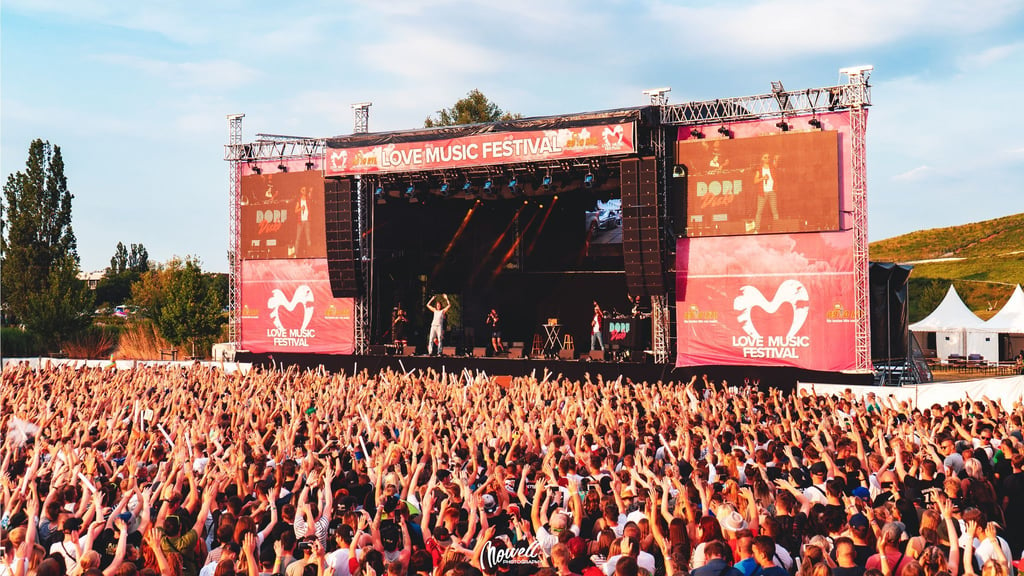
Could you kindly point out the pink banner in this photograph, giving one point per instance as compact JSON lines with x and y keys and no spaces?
{"x":484,"y":149}
{"x":287,"y":306}
{"x":776,"y":300}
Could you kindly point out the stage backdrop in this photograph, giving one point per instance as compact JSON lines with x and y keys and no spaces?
{"x":287,"y":306}
{"x":773,"y":300}
{"x":283,"y":215}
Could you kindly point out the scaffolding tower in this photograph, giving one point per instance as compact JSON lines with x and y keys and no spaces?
{"x":234,"y":230}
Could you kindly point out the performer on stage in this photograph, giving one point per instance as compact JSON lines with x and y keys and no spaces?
{"x":596,"y":341}
{"x":398,"y":324}
{"x":765,"y":176}
{"x":437,"y":324}
{"x":494,"y":322}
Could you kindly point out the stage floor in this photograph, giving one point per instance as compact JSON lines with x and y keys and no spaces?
{"x":777,"y":377}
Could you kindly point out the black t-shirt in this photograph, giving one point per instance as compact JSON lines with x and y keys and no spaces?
{"x":863,"y":552}
{"x":855,"y":571}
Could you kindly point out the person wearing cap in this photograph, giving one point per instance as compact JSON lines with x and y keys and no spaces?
{"x":548,"y":532}
{"x":817,"y":492}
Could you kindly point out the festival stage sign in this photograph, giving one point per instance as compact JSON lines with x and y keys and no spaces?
{"x":484,"y":149}
{"x":771,"y":300}
{"x":287,"y":306}
{"x":780,"y":183}
{"x":283,"y":216}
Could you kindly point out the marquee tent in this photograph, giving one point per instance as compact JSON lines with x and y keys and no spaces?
{"x":1009,"y":321}
{"x":958,"y":330}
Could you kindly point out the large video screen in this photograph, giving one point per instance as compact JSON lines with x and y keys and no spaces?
{"x":283,"y":216}
{"x":781,"y":183}
{"x":772,"y":300}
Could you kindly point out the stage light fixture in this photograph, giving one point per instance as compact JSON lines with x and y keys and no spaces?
{"x":546,"y":182}
{"x":512,"y":182}
{"x":310,"y":165}
{"x":379,"y":192}
{"x":814,"y":122}
{"x":257,"y":170}
{"x":282,"y":167}
{"x":679,"y":171}
{"x":725,"y":131}
{"x":696,"y":133}
{"x":588,"y":180}
{"x":488,"y":184}
{"x":410,"y":190}
{"x":444,"y":188}
{"x":782,"y":126}
{"x":467,"y":185}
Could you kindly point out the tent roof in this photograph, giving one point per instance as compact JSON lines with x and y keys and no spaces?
{"x":1010,"y":318}
{"x":951,"y":314}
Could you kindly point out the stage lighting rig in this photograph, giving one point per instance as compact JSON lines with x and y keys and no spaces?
{"x":783,"y":125}
{"x":588,"y":180}
{"x":444,"y":188}
{"x":257,"y":170}
{"x":512,"y":182}
{"x":282,"y":167}
{"x":658,"y":96}
{"x":814,"y":122}
{"x":467,"y":185}
{"x":696,"y":133}
{"x":725,"y":131}
{"x":546,"y":181}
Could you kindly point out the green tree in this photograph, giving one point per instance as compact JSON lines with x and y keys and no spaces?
{"x":38,"y":246}
{"x":126,"y":267}
{"x":472,"y":109}
{"x":182,"y":301}
{"x":62,"y":309}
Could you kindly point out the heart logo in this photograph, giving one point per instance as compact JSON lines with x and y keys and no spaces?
{"x":613,"y":138}
{"x":302,"y":295}
{"x":790,"y":292}
{"x":339,"y":160}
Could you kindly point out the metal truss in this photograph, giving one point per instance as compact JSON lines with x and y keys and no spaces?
{"x":364,"y":196}
{"x":661,"y":328}
{"x":234,"y":232}
{"x":860,"y":98}
{"x":776,"y":103}
{"x":275,"y":148}
{"x":361,"y":122}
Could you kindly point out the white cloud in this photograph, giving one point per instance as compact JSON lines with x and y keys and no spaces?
{"x":213,"y":74}
{"x":413,"y":53}
{"x":919,"y":173}
{"x":991,"y":56}
{"x":776,"y":28}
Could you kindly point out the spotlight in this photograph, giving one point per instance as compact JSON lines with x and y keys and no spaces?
{"x":696,"y":133}
{"x":444,"y":188}
{"x":724,"y":131}
{"x":282,"y":167}
{"x":679,"y":171}
{"x":782,"y":126}
{"x":488,"y":184}
{"x":410,"y":190}
{"x":257,"y":170}
{"x":588,"y":180}
{"x":512,"y":182}
{"x":310,"y":165}
{"x":546,"y":182}
{"x":814,"y":122}
{"x":467,"y":185}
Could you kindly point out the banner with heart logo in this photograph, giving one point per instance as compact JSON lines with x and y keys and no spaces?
{"x":287,"y":306}
{"x":774,"y":300}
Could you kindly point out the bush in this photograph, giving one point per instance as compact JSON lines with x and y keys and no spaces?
{"x":17,"y":343}
{"x":140,"y":341}
{"x":97,"y":341}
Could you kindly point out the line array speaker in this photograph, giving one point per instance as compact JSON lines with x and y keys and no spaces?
{"x":340,"y":231}
{"x":641,"y":230}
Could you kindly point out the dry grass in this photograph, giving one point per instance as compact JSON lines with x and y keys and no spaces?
{"x":93,"y":343}
{"x":140,"y":341}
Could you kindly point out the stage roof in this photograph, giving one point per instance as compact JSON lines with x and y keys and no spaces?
{"x":643,"y":114}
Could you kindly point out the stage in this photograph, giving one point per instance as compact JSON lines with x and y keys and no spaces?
{"x":782,"y":378}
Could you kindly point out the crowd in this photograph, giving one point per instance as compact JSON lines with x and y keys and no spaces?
{"x":198,"y":472}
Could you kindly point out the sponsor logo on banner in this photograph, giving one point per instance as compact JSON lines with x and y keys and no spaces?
{"x":838,"y":314}
{"x":290,"y":336}
{"x":695,"y":315}
{"x":618,"y":330}
{"x":482,"y":149}
{"x":790,"y":298}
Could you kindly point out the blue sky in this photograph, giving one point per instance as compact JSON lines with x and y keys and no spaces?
{"x":136,"y":93}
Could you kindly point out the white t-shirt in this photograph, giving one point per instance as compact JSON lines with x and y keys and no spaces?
{"x":767,"y":180}
{"x":339,"y":559}
{"x":645,"y":561}
{"x":438,"y":320}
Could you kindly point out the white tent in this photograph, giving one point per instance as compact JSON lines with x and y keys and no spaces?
{"x":958,"y":330}
{"x":1010,"y":320}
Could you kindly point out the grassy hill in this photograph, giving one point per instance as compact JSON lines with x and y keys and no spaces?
{"x":984,"y":260}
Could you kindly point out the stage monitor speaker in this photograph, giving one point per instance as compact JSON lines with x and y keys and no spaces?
{"x":479,"y":351}
{"x":641,"y":229}
{"x":409,"y":350}
{"x":597,"y":355}
{"x":566,"y":353}
{"x":517,"y":352}
{"x":378,"y":350}
{"x":448,"y":351}
{"x":341,"y":245}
